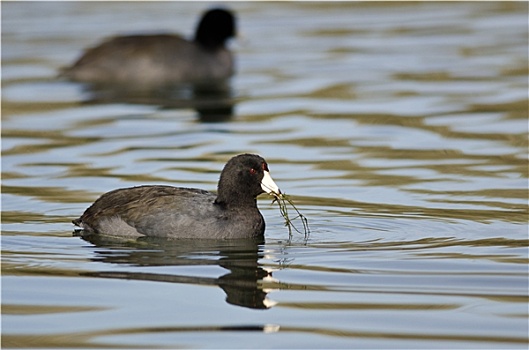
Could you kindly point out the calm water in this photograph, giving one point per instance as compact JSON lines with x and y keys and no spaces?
{"x":400,"y":131}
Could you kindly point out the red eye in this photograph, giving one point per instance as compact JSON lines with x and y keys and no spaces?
{"x":253,"y":171}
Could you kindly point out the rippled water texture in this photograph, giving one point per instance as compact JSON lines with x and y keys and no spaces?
{"x":399,"y":129}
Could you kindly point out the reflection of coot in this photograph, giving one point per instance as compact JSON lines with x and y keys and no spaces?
{"x":241,"y":285}
{"x":153,"y":60}
{"x":213,"y":103}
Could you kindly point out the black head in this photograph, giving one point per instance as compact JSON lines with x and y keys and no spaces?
{"x":215,"y":27}
{"x":243,"y":178}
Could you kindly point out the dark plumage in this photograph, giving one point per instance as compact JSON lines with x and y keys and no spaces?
{"x":165,"y":211}
{"x":162,"y":58}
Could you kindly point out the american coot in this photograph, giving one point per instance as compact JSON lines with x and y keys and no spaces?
{"x":163,"y":58}
{"x":174,"y":212}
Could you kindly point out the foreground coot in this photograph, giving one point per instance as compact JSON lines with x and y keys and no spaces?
{"x":162,"y":58}
{"x":175,"y":212}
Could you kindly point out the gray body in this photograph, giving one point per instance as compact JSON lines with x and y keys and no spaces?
{"x":151,"y":60}
{"x":165,"y":211}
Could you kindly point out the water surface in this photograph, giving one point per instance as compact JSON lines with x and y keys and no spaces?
{"x":400,"y":131}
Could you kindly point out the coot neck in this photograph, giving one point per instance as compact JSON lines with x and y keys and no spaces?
{"x":209,"y":45}
{"x":235,"y":200}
